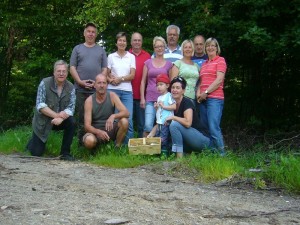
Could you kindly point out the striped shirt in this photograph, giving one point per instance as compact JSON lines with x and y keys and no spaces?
{"x":208,"y":74}
{"x":173,"y":55}
{"x":170,"y":55}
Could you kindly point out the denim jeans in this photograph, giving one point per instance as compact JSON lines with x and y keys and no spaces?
{"x":150,"y":114}
{"x":139,"y":117}
{"x":126,"y":98}
{"x":210,"y":117}
{"x":187,"y":139}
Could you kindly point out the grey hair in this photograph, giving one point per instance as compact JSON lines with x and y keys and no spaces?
{"x":60,"y":62}
{"x":173,"y":27}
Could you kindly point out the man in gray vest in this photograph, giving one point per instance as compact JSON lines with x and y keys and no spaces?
{"x":101,"y":122}
{"x":55,"y":104}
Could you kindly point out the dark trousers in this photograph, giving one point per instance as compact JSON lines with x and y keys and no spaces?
{"x":37,"y":147}
{"x":164,"y":133}
{"x":138,"y":117}
{"x":80,"y":99}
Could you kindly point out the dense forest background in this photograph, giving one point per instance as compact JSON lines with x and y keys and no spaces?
{"x":260,"y":40}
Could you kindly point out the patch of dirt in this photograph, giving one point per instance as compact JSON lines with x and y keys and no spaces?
{"x":40,"y":191}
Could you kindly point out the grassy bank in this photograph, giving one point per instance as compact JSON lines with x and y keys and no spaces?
{"x":262,"y":169}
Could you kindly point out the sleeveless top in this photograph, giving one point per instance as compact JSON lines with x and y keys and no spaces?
{"x":101,"y":111}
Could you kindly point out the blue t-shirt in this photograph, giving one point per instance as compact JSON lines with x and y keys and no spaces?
{"x":199,"y":60}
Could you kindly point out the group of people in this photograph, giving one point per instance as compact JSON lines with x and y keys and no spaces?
{"x":176,"y":94}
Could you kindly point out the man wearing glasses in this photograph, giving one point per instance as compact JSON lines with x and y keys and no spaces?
{"x":173,"y":50}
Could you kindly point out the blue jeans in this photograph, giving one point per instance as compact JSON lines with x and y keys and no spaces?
{"x":210,"y":118}
{"x":150,"y":114}
{"x":187,"y":139}
{"x":139,"y":117}
{"x":126,"y":98}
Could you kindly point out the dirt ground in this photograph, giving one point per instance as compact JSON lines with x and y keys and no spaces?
{"x":40,"y":191}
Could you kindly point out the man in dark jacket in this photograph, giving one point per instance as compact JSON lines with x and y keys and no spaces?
{"x":55,"y":104}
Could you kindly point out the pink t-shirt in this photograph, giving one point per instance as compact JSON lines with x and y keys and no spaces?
{"x":151,"y":91}
{"x":208,"y":74}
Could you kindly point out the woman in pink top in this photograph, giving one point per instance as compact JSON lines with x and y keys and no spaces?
{"x":152,"y":68}
{"x":210,"y":93}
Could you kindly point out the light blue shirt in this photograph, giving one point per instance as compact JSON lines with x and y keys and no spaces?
{"x":163,"y":114}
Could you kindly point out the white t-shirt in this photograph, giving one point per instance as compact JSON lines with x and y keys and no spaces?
{"x":120,"y":66}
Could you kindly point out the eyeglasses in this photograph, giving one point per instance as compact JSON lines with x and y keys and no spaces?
{"x":174,"y":35}
{"x":159,"y":46}
{"x":211,"y":46}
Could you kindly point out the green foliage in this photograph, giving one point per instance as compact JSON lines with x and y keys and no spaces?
{"x":33,"y":36}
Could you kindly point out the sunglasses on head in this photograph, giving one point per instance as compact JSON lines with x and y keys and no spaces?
{"x":178,"y":78}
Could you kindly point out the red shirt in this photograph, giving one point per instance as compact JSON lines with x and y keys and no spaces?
{"x":136,"y":82}
{"x":208,"y":74}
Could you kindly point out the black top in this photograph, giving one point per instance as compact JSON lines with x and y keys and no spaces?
{"x":185,"y":104}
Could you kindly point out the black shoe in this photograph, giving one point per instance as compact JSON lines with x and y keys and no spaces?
{"x":67,"y":158}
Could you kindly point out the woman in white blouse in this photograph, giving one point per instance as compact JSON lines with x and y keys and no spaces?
{"x":121,"y":70}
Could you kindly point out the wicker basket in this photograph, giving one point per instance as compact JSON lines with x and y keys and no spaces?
{"x":144,"y":146}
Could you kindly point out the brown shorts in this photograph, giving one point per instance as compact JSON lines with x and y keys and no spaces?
{"x":112,"y":134}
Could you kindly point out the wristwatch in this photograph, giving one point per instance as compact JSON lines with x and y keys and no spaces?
{"x":206,"y":92}
{"x":122,"y":78}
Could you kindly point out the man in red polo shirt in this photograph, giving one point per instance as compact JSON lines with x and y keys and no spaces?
{"x":140,"y":57}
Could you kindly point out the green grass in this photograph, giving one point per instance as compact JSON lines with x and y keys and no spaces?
{"x":14,"y":140}
{"x":212,"y":167}
{"x":108,"y":156}
{"x":278,"y":168}
{"x":284,"y":171}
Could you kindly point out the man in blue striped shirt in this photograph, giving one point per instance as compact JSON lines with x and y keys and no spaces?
{"x":173,"y":50}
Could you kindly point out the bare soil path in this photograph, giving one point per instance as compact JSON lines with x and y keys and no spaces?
{"x":39,"y":191}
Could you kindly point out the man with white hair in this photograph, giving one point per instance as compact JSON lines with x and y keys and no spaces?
{"x":173,"y":50}
{"x":55,"y":105}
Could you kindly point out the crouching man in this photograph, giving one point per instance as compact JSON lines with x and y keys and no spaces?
{"x":101,"y":122}
{"x":55,"y":105}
